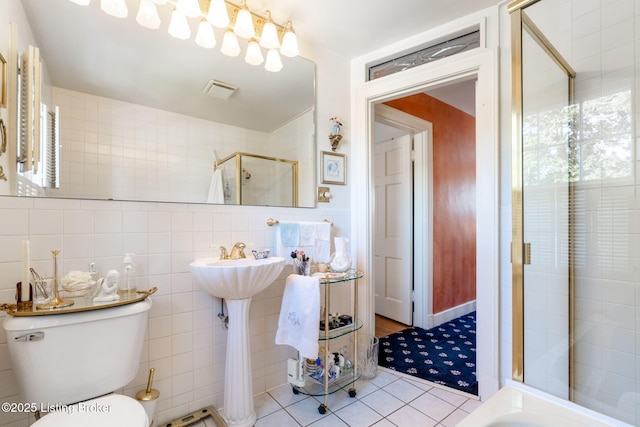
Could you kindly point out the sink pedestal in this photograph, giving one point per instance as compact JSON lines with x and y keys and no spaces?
{"x":237,"y":281}
{"x":238,"y":384}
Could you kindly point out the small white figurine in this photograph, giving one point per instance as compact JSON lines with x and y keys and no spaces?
{"x":108,"y":287}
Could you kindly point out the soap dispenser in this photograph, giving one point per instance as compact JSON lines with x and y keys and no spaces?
{"x":127,"y":285}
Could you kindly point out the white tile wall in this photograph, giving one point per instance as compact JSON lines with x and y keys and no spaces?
{"x":186,"y":343}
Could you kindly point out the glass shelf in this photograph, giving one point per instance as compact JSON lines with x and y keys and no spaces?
{"x":330,"y":278}
{"x":341,"y":331}
{"x":312,"y":388}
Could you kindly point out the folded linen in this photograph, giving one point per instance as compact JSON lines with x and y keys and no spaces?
{"x":298,"y":325}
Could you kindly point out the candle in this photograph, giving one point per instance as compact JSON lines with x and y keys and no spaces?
{"x":26,"y":273}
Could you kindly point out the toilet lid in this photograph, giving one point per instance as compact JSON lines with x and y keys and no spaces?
{"x":106,"y":411}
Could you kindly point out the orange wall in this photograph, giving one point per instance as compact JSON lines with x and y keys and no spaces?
{"x":454,"y":201}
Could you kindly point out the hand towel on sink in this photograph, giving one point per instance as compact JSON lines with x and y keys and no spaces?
{"x":299,"y":322}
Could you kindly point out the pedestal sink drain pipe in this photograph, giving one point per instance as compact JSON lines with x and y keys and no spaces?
{"x":222,"y":316}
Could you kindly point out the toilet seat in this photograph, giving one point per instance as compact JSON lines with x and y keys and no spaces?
{"x":106,"y":411}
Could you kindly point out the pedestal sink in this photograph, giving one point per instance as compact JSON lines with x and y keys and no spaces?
{"x":237,"y":281}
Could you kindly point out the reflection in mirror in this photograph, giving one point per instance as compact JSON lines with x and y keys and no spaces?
{"x":134,"y":120}
{"x":247,"y":179}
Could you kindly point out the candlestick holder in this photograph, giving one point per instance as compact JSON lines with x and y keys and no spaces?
{"x":57,"y":302}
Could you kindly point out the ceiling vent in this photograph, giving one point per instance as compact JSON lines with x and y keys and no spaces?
{"x":218,"y":89}
{"x":451,"y":46}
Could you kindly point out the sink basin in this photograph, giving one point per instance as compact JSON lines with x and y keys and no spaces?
{"x":235,"y":278}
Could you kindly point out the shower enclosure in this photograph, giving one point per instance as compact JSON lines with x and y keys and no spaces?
{"x":252,"y":179}
{"x":576,"y":207}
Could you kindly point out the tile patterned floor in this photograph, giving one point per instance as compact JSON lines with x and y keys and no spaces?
{"x":389,"y":399}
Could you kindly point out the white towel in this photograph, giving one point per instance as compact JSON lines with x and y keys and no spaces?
{"x":307,"y":233}
{"x":216,"y":191}
{"x":323,"y":231}
{"x":290,"y":233}
{"x":299,"y":322}
{"x":322,"y":250}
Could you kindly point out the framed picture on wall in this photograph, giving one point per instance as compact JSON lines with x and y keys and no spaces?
{"x":3,"y":82}
{"x":334,"y":168}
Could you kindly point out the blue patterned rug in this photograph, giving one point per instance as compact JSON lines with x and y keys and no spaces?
{"x":444,"y":354}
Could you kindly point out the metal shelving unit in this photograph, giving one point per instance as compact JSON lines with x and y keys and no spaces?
{"x":347,"y":378}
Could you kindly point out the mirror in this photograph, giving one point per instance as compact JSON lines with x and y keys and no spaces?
{"x":134,"y":121}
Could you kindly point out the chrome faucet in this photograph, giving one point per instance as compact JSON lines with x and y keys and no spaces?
{"x":236,"y":252}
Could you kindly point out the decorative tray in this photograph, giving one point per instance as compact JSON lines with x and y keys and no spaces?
{"x":80,"y":304}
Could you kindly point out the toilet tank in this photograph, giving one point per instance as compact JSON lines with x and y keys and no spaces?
{"x":67,"y":358}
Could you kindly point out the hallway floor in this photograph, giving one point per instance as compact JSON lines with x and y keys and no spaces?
{"x":386,"y":326}
{"x":389,"y":399}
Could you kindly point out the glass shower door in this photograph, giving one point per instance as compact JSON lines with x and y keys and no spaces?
{"x":576,"y":199}
{"x":546,"y":205}
{"x":542,"y":198}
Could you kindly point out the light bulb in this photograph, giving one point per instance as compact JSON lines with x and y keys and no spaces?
{"x":274,"y":63}
{"x":205,"y":37}
{"x":254,"y":54}
{"x":269,"y":36}
{"x":148,"y":15}
{"x":117,"y":8}
{"x":230,"y":46}
{"x":179,"y":27}
{"x":289,"y":42}
{"x":218,"y":15}
{"x":189,"y":8}
{"x":243,"y":26}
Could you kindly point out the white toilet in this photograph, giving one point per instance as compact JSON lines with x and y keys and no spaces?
{"x":63,"y":361}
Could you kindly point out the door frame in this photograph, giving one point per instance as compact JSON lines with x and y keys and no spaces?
{"x":422,"y":131}
{"x":480,"y":64}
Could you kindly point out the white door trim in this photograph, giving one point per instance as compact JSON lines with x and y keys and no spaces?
{"x":423,"y":184}
{"x":478,"y":63}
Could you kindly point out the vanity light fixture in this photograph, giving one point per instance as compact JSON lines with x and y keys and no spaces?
{"x":117,"y":8}
{"x":179,"y":26}
{"x":260,"y":31}
{"x":218,"y":16}
{"x":274,"y":63}
{"x":289,"y":42}
{"x":230,"y":45}
{"x":269,"y":37}
{"x":243,"y":27}
{"x":205,"y":36}
{"x":254,"y":54}
{"x":148,"y":15}
{"x":189,"y":8}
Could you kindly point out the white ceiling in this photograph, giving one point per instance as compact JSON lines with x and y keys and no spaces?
{"x":351,"y":28}
{"x":347,"y":28}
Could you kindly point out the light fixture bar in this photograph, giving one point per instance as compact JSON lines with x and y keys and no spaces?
{"x":260,"y":31}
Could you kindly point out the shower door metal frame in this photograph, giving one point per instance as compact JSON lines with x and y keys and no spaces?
{"x":520,"y":250}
